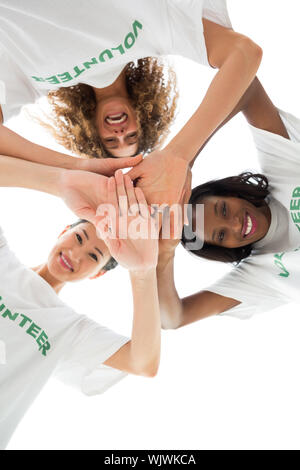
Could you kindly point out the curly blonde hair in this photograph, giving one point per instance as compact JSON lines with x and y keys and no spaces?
{"x":152,"y":89}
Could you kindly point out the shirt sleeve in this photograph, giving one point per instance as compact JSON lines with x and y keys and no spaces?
{"x":82,"y":366}
{"x":15,"y":89}
{"x":247,"y":286}
{"x":185,"y":21}
{"x":277,"y":155}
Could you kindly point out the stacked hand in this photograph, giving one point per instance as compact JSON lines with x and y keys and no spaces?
{"x":127,"y":226}
{"x":107,"y":166}
{"x":162,"y":177}
{"x":175,"y":220}
{"x":83,"y":190}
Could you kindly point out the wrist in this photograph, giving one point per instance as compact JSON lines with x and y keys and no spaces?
{"x":165,"y":258}
{"x":143,"y":274}
{"x":179,"y":150}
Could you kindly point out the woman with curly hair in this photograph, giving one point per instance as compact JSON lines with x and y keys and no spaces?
{"x":250,"y":220}
{"x":110,"y":94}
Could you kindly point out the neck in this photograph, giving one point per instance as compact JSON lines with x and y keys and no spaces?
{"x":118,"y":88}
{"x":267,"y":212}
{"x":43,"y":271}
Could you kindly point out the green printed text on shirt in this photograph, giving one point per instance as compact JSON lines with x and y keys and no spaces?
{"x":105,"y":56}
{"x":29,"y":327}
{"x":295,"y":207}
{"x":278,"y":261}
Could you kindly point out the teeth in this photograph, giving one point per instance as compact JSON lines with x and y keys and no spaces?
{"x":249,"y":225}
{"x":116,"y":119}
{"x":66,"y":262}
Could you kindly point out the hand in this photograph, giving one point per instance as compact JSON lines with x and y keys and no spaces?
{"x":132,"y":218}
{"x":83,"y":192}
{"x":161,"y":176}
{"x":107,"y":166}
{"x":175,"y":221}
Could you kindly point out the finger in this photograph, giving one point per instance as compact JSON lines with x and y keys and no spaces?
{"x":135,"y":172}
{"x":111,"y":208}
{"x":126,"y":162}
{"x":132,"y":201}
{"x":112,"y":192}
{"x":143,"y":206}
{"x":122,"y":195}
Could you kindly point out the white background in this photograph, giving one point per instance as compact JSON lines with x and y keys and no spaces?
{"x":223,"y":383}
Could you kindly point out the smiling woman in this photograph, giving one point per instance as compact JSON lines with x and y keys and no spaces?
{"x":77,"y":254}
{"x":75,"y":349}
{"x":235,"y":216}
{"x":131,"y":116}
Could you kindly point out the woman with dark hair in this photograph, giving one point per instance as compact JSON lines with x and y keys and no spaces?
{"x":233,"y":187}
{"x":42,"y":335}
{"x":250,"y":220}
{"x":110,"y":94}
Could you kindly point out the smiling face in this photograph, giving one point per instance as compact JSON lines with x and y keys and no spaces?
{"x":117,"y":125}
{"x":232,"y":222}
{"x":78,"y":254}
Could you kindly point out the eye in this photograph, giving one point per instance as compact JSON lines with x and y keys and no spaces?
{"x":224,"y":211}
{"x":92,"y":255}
{"x":79,"y":238}
{"x":221,"y":236}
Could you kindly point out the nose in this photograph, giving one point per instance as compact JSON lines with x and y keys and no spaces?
{"x":119,"y":131}
{"x":75,"y":254}
{"x":236,"y":225}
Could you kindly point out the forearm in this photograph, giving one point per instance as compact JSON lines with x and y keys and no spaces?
{"x":146,"y":329}
{"x":170,"y":303}
{"x":24,"y":174}
{"x":258,"y":110}
{"x":225,"y":91}
{"x":13,"y":145}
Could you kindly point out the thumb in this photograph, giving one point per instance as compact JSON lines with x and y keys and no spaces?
{"x":127,"y":162}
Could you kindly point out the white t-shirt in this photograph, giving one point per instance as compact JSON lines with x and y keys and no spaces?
{"x":44,"y":337}
{"x":270,"y":277}
{"x":48,"y":45}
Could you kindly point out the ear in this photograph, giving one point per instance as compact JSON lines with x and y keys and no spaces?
{"x":101,"y":273}
{"x":65,"y":230}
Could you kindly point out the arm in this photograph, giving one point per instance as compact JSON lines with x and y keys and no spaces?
{"x":82,"y":191}
{"x":176,"y":312}
{"x":13,"y":145}
{"x":162,"y":174}
{"x":139,"y":255}
{"x":259,"y":111}
{"x":141,"y":354}
{"x":237,"y":58}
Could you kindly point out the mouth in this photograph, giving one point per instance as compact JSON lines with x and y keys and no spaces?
{"x":250,"y":225}
{"x":116,"y":119}
{"x":65,"y":262}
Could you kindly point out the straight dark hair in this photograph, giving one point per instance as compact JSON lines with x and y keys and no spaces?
{"x":253,"y":187}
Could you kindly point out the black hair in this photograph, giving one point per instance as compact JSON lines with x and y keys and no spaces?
{"x":111,"y":263}
{"x":239,"y":186}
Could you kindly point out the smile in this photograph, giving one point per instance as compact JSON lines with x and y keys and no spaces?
{"x":250,"y":226}
{"x":65,"y":262}
{"x":116,"y":119}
